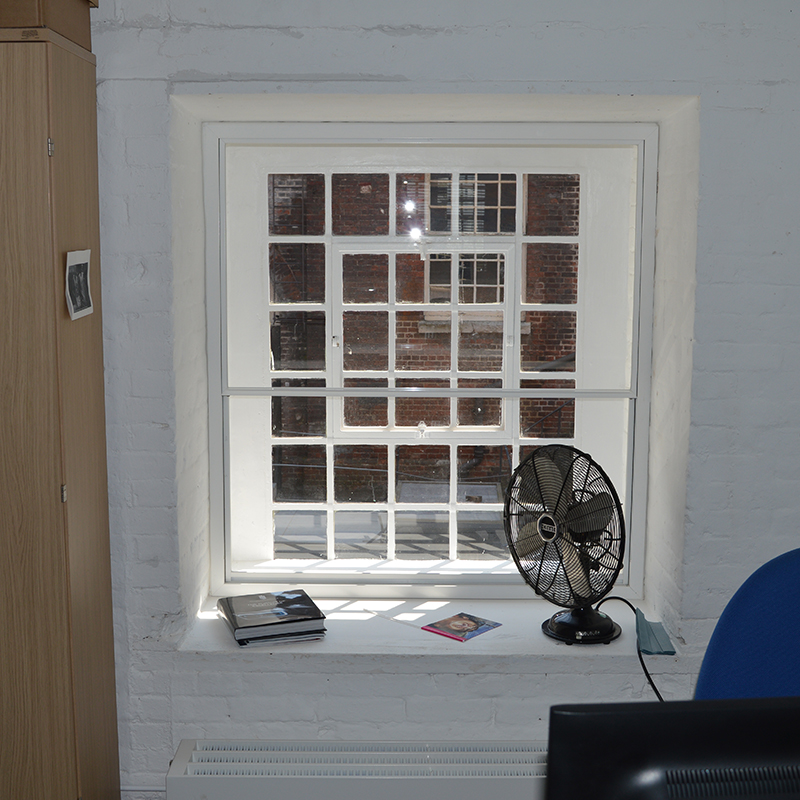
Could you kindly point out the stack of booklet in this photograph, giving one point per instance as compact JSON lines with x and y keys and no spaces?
{"x":289,"y":616}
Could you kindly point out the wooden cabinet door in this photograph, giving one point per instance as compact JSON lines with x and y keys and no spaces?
{"x":37,"y":759}
{"x":82,"y":390}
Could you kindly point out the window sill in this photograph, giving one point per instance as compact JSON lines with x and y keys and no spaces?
{"x":365,"y":636}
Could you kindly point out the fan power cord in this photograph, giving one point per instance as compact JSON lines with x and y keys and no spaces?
{"x":638,"y":649}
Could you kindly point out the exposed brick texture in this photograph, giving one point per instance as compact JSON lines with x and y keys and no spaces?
{"x":552,"y":205}
{"x":297,"y":273}
{"x":366,"y":411}
{"x":550,"y":417}
{"x":427,"y":463}
{"x":298,"y":472}
{"x":547,"y":417}
{"x":480,"y":344}
{"x":410,"y":278}
{"x":477,"y":411}
{"x":298,"y":416}
{"x":360,"y":204}
{"x":360,"y":473}
{"x":551,"y":272}
{"x":298,"y":340}
{"x":418,"y":348}
{"x":297,"y":205}
{"x":551,"y":342}
{"x":365,"y":278}
{"x":410,"y":411}
{"x":365,"y":340}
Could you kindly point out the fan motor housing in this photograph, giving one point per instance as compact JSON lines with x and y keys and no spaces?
{"x":547,"y":527}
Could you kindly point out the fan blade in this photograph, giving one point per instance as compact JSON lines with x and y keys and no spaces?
{"x":528,"y":541}
{"x":590,"y":516}
{"x":564,"y":457}
{"x":525,"y":489}
{"x":576,"y":572}
{"x":550,"y":480}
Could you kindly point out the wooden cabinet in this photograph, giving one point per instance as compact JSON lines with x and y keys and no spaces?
{"x":57,"y":688}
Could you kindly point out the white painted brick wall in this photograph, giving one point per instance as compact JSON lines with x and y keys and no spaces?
{"x":743,"y":482}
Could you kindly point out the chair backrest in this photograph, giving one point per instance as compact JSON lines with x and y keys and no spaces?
{"x":755,"y":648}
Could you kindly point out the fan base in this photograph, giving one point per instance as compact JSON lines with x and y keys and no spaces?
{"x":581,"y":626}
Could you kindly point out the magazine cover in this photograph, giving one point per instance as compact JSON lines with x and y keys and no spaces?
{"x":254,"y":615}
{"x":461,"y":626}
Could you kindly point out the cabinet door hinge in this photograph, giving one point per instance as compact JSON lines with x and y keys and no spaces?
{"x":64,"y":495}
{"x":51,"y":146}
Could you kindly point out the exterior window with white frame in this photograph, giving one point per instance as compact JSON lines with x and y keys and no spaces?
{"x":399,"y":314}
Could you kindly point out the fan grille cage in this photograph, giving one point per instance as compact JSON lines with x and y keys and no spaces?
{"x":560,"y":487}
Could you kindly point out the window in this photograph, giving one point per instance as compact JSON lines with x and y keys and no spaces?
{"x":398,"y":315}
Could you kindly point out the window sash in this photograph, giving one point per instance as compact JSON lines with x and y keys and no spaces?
{"x":631,"y":396}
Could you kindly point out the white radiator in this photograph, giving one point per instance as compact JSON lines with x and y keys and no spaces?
{"x":261,"y":770}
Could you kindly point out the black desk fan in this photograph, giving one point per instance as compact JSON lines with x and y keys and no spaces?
{"x":566,"y":533}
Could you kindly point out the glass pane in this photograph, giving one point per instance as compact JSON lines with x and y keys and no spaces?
{"x":421,"y":342}
{"x":365,"y":342}
{"x":366,"y":411}
{"x":481,"y":278}
{"x":410,"y":278}
{"x":480,"y":342}
{"x":297,"y":273}
{"x":481,"y":536}
{"x":301,"y":534}
{"x":483,"y":473}
{"x":365,"y":278}
{"x":441,"y":187}
{"x":547,"y":341}
{"x":526,"y":451}
{"x":298,"y":473}
{"x":550,"y":417}
{"x":424,"y":203}
{"x":360,"y":204}
{"x":547,"y":417}
{"x":422,"y":535}
{"x":298,"y":416}
{"x":360,"y":534}
{"x":480,"y":411}
{"x":297,"y":340}
{"x":422,"y":474}
{"x":487,"y":203}
{"x":413,"y":411}
{"x":552,"y":205}
{"x":551,"y":273}
{"x":297,"y":205}
{"x":439,"y":277}
{"x":360,"y":473}
{"x":410,"y":212}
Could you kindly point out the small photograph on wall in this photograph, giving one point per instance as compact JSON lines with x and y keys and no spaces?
{"x":78,"y":291}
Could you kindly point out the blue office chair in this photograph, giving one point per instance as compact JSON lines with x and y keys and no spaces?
{"x":755,"y":648}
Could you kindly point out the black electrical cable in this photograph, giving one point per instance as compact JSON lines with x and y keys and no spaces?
{"x":638,"y":651}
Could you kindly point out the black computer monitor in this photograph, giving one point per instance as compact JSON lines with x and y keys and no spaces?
{"x":724,"y":749}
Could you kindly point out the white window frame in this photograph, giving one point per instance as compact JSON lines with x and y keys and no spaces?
{"x":644,"y":137}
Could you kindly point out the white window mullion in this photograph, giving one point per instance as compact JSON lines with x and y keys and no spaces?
{"x":452,"y":512}
{"x":391,"y":478}
{"x":515,"y":279}
{"x":333,"y":359}
{"x":329,"y":507}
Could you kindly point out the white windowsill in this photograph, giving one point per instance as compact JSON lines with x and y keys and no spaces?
{"x":359,"y":640}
